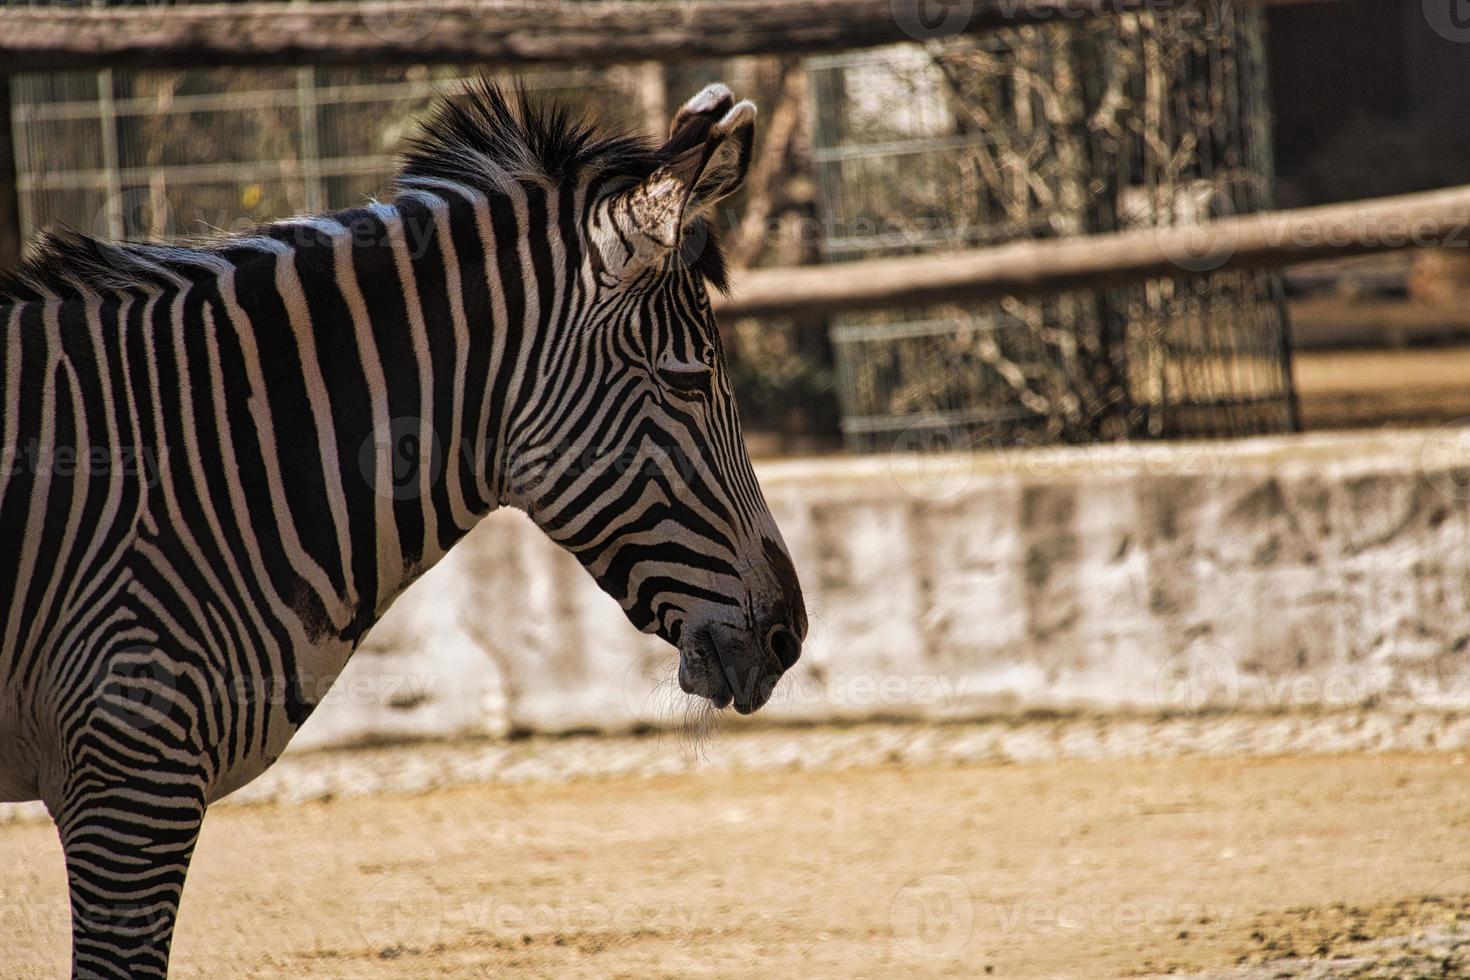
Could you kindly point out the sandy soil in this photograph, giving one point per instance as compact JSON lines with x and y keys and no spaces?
{"x":1057,"y":869}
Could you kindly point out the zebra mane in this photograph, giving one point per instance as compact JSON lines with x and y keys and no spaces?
{"x":490,"y":138}
{"x":487,"y":139}
{"x":69,"y":263}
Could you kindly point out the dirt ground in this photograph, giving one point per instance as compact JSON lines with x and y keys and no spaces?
{"x":1058,"y":869}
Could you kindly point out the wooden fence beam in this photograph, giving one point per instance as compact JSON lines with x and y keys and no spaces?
{"x":1269,"y":240}
{"x":503,"y":33}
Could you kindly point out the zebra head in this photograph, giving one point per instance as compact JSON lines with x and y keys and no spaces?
{"x":633,"y":458}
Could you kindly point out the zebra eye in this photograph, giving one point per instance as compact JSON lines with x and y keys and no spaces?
{"x":685,"y":378}
{"x":690,"y":380}
{"x":708,"y":356}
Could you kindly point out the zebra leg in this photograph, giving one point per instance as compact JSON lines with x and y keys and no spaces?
{"x":127,"y":853}
{"x":129,"y":814}
{"x":126,"y":860}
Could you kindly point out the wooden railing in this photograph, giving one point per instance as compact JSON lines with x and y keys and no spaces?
{"x":505,"y":33}
{"x":520,"y":33}
{"x":1273,"y":239}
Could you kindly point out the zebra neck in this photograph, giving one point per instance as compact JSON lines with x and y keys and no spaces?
{"x":413,"y":328}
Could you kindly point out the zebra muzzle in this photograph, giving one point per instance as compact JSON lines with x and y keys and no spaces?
{"x":737,"y":665}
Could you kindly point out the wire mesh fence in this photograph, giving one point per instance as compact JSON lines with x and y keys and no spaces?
{"x":154,"y":154}
{"x":1145,"y":120}
{"x":1054,"y":131}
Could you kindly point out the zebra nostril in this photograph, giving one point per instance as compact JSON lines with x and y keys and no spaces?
{"x":783,"y":644}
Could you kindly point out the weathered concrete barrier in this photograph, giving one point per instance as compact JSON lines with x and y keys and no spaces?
{"x":1320,"y":572}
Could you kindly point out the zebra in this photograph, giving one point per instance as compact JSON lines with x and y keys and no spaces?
{"x":225,"y":459}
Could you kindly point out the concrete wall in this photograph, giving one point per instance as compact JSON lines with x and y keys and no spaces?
{"x":1315,"y":572}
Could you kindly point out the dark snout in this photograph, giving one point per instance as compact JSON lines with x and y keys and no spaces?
{"x":736,"y":665}
{"x":741,"y":664}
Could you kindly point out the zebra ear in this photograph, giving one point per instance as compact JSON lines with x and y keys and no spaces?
{"x":728,"y":150}
{"x":708,"y":153}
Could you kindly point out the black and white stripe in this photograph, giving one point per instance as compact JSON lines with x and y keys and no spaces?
{"x":223,"y":462}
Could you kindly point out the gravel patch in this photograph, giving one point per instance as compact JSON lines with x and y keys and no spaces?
{"x":418,"y":767}
{"x":1437,"y":954}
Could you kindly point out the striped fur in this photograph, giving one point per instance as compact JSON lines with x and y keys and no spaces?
{"x":224,"y":461}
